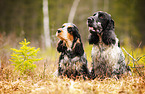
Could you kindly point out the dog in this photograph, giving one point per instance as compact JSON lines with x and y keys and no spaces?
{"x":72,"y":61}
{"x":108,"y":59}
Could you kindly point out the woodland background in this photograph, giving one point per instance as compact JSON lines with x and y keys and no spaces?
{"x":24,"y":18}
{"x":21,"y":19}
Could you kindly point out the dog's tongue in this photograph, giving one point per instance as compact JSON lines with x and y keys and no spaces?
{"x":91,"y":28}
{"x":98,"y":31}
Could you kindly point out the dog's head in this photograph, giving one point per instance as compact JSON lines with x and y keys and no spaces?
{"x":68,"y":33}
{"x":100,"y":21}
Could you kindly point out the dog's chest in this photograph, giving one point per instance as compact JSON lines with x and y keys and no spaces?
{"x":72,"y":63}
{"x":105,"y":54}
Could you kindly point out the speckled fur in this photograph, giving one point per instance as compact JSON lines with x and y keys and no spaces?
{"x":107,"y":57}
{"x":108,"y":61}
{"x":72,"y":61}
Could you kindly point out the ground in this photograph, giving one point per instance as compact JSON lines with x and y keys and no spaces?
{"x":44,"y":80}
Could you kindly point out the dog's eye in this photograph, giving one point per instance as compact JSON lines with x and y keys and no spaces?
{"x":63,"y":26}
{"x":101,"y":17}
{"x":94,"y":14}
{"x":69,"y":29}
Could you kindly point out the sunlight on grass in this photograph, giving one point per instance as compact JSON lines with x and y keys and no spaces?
{"x":44,"y":79}
{"x":51,"y":84}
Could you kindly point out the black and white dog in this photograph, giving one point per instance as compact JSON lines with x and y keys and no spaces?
{"x":72,"y":61}
{"x":107,"y":57}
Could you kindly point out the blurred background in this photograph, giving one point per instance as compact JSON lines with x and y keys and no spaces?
{"x":24,"y":19}
{"x":38,"y":21}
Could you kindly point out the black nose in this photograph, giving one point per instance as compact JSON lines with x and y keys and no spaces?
{"x":90,"y":19}
{"x":58,"y":31}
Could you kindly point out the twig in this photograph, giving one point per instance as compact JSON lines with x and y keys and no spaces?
{"x":44,"y":68}
{"x":133,"y":61}
{"x":128,"y":54}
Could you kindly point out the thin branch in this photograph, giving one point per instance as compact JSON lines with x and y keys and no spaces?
{"x":128,"y":54}
{"x":134,"y":60}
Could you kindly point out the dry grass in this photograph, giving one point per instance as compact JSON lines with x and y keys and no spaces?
{"x":44,"y":80}
{"x":49,"y":83}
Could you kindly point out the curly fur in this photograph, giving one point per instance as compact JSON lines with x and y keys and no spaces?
{"x":72,"y":61}
{"x":107,"y":57}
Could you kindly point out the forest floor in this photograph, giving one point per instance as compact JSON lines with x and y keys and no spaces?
{"x":44,"y":80}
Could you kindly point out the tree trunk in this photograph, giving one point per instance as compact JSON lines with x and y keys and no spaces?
{"x":73,"y":11}
{"x":46,"y":24}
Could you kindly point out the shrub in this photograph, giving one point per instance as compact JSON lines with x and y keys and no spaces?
{"x":23,"y":59}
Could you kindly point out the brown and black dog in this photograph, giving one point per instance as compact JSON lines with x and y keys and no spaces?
{"x":72,"y":61}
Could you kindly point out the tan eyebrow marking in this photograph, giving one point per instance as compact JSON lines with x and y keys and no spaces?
{"x":70,"y":26}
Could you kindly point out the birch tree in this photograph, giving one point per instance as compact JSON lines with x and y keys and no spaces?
{"x":46,"y":24}
{"x":73,"y":11}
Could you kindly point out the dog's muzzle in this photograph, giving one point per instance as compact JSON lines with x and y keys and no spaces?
{"x":90,"y":21}
{"x":94,"y":26}
{"x":58,"y":31}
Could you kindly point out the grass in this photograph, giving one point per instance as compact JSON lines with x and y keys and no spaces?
{"x":44,"y":79}
{"x":37,"y":83}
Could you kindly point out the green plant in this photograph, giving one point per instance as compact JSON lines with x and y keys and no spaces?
{"x":23,"y":59}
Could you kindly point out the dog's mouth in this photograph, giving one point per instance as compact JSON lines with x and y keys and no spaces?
{"x":95,"y":27}
{"x":98,"y":29}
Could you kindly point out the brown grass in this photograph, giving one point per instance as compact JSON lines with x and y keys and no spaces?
{"x":49,"y":83}
{"x":44,"y":79}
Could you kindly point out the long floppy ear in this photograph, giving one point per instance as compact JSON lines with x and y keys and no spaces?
{"x":75,"y":32}
{"x":93,"y":38}
{"x":76,"y":35}
{"x":110,"y":25}
{"x":77,"y":44}
{"x":61,"y":46}
{"x":112,"y":21}
{"x":78,"y":48}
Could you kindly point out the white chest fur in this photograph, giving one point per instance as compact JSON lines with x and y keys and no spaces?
{"x":109,"y":54}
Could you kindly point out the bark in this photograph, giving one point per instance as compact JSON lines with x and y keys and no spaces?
{"x":73,"y":11}
{"x":46,"y":24}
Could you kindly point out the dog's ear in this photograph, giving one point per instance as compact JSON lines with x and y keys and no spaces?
{"x":112,"y":21}
{"x":76,"y":32}
{"x":61,"y":46}
{"x":76,"y":36}
{"x":93,"y":38}
{"x":109,"y":37}
{"x":78,"y":47}
{"x":110,"y":25}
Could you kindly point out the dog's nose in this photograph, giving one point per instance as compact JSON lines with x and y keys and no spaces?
{"x":90,"y":19}
{"x":58,"y":31}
